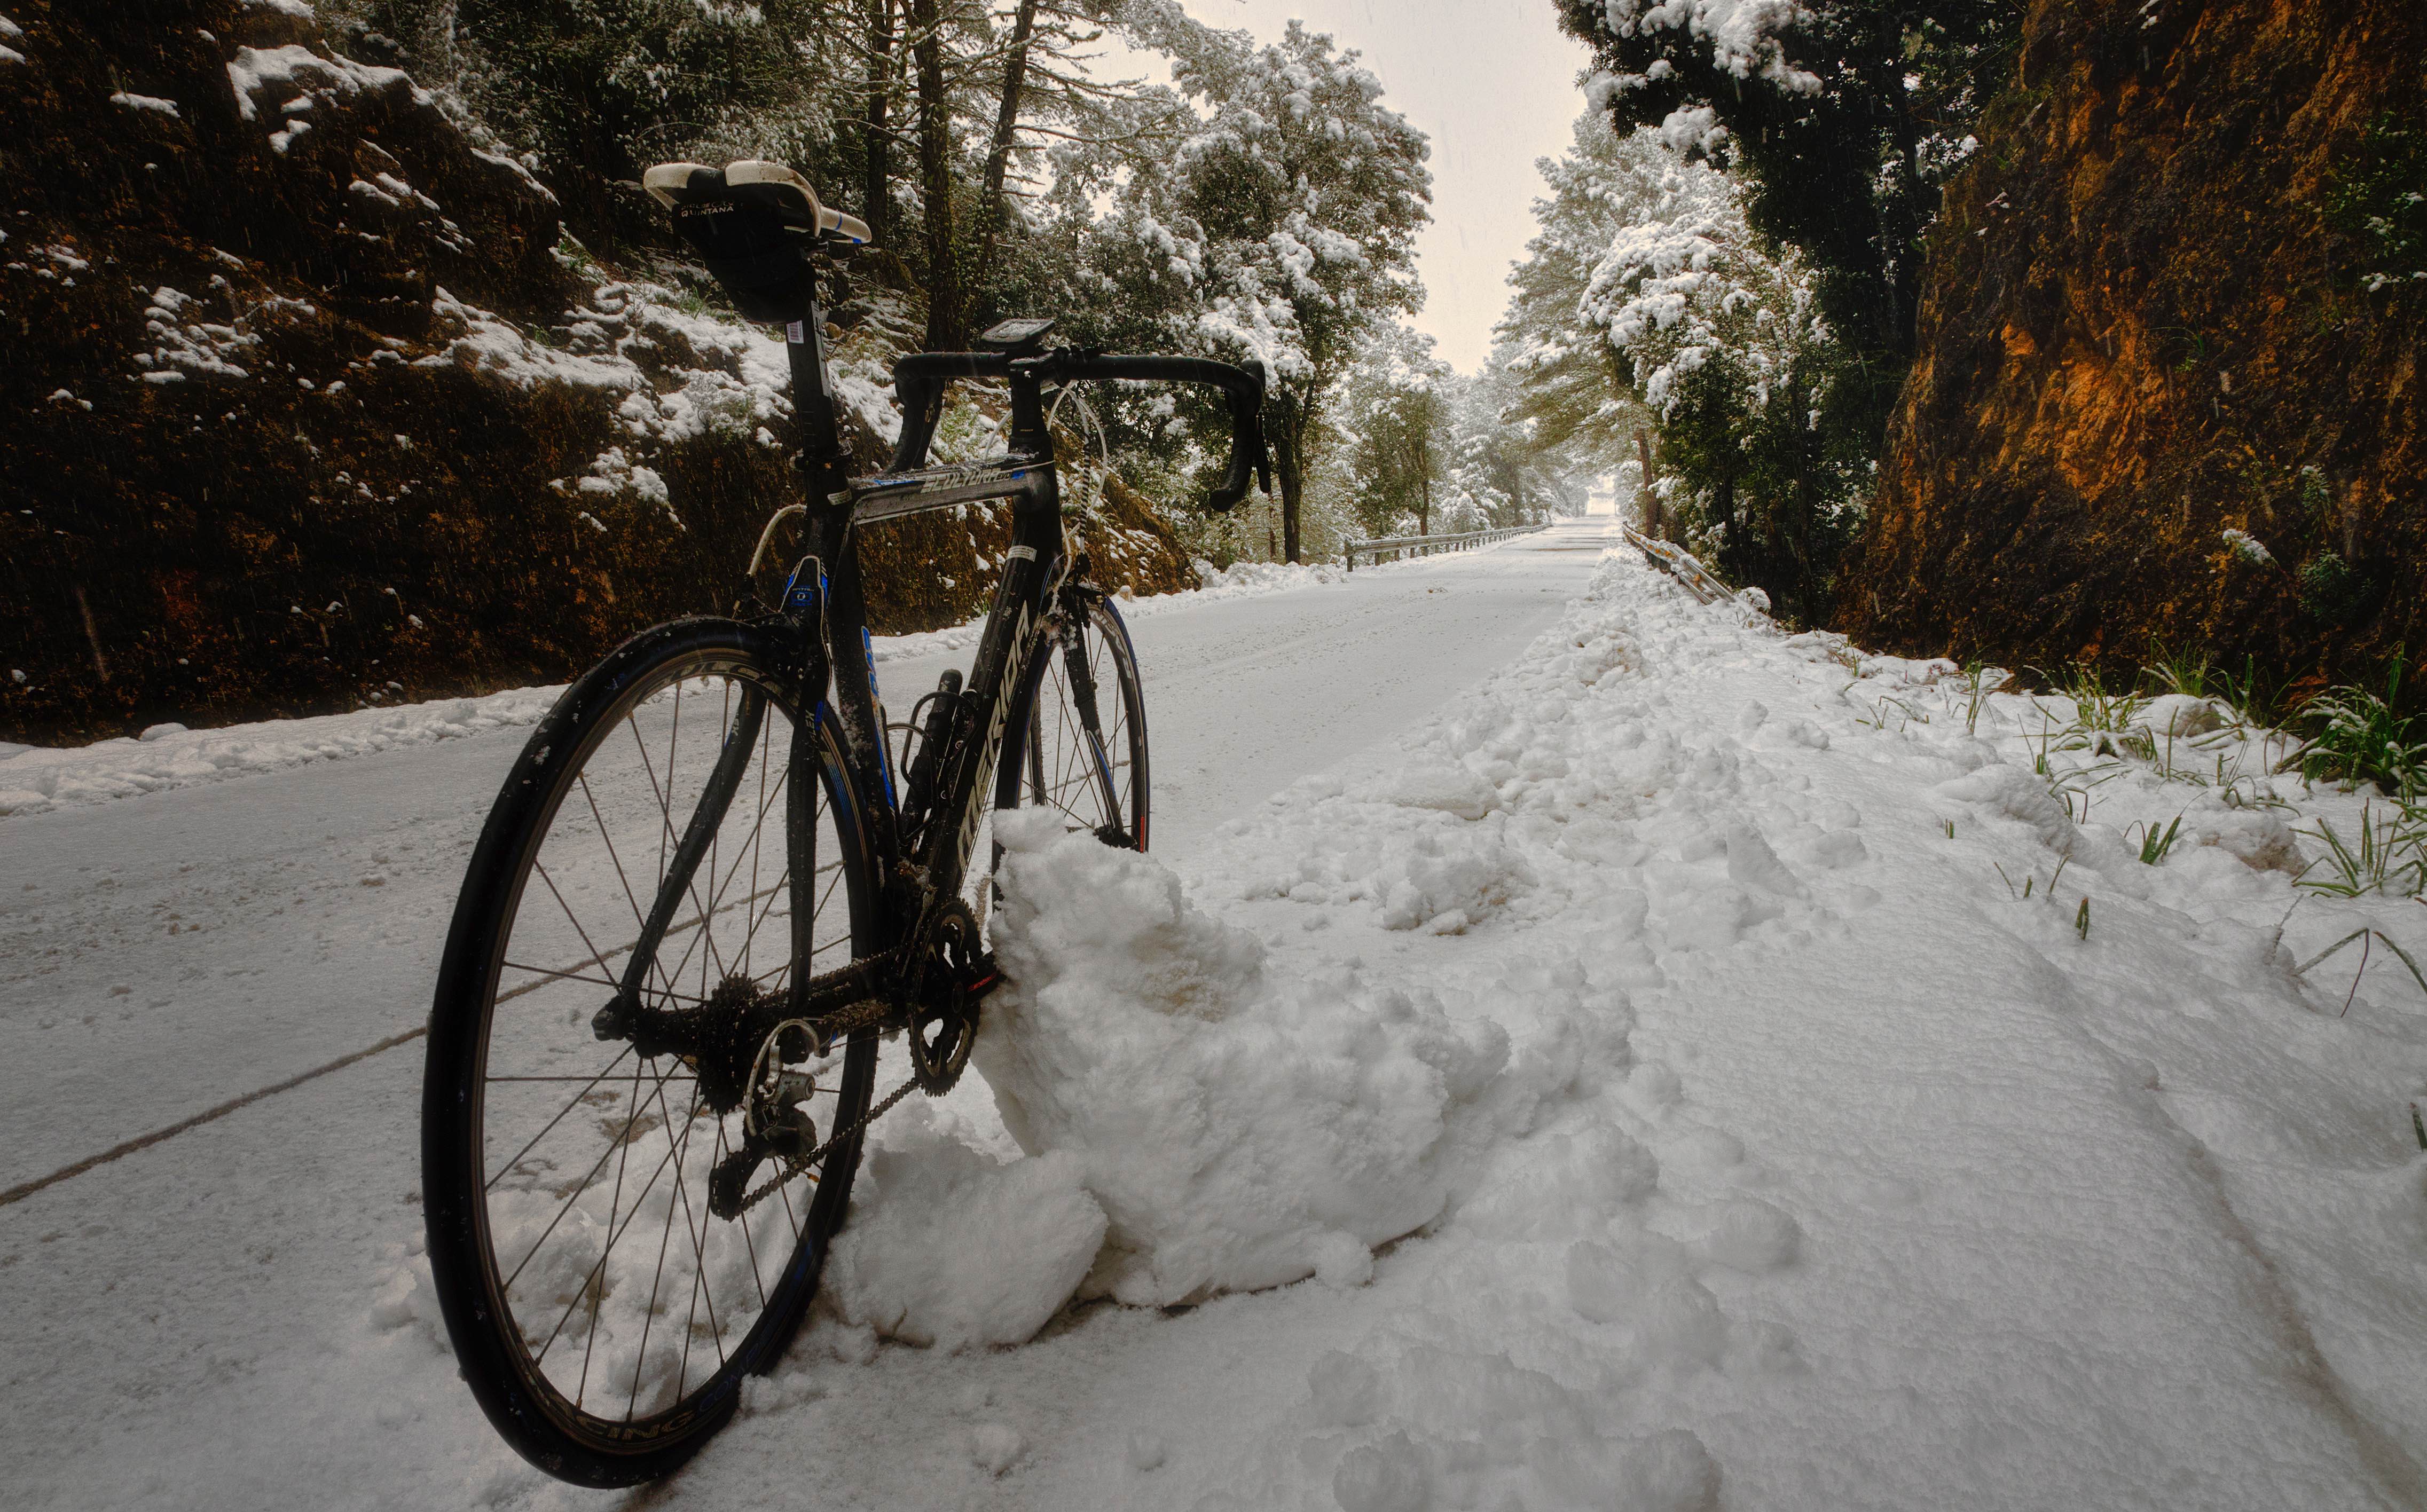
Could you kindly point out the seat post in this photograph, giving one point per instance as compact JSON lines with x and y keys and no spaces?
{"x":813,"y":408}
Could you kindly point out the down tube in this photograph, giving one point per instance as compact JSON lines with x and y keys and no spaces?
{"x":1011,"y":633}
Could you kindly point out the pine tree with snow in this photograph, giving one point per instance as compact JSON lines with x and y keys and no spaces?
{"x":1279,"y":224}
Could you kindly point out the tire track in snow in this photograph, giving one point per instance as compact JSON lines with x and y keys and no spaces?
{"x":26,"y":1189}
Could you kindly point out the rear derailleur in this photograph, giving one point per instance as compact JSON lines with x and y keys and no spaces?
{"x":741,"y":1043}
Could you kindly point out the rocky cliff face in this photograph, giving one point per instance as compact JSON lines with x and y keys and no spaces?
{"x":309,"y":404}
{"x":2168,"y":388}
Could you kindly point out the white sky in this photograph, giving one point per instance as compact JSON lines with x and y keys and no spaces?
{"x":1492,"y":83}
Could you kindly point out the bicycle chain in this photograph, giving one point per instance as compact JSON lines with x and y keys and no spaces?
{"x":768,"y":1189}
{"x":869,"y":1013}
{"x":866,"y":1013}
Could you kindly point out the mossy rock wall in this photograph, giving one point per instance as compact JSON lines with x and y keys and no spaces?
{"x":2162,"y":304}
{"x":302,"y":483}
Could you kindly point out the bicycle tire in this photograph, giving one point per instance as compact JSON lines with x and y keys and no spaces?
{"x":1047,"y":759}
{"x":479,"y":1210}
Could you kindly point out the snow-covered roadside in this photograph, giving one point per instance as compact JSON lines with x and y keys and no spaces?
{"x":1747,"y":1105}
{"x":158,"y":957}
{"x":36,"y":779}
{"x":1755,"y":1144}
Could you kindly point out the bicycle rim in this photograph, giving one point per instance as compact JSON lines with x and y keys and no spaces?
{"x":602,"y":1315}
{"x":1094,"y":770}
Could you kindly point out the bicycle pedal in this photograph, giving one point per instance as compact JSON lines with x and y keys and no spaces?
{"x":983,"y":976}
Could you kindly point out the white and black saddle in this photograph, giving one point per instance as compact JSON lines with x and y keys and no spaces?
{"x":750,"y":221}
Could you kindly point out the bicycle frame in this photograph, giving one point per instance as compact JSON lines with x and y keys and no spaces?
{"x":823,"y":604}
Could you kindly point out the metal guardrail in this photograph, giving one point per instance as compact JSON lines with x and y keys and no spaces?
{"x":1425,"y":545}
{"x":1679,"y":564}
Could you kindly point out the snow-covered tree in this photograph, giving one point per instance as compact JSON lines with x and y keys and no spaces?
{"x":1654,"y":325}
{"x":1688,"y":287}
{"x":1571,"y":388}
{"x":1429,"y":450}
{"x":1723,"y":341}
{"x":1844,"y":115}
{"x":1274,"y":218}
{"x":1393,"y":417}
{"x":1499,"y":474}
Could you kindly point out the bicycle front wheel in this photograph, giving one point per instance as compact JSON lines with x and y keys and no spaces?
{"x":1078,"y":728}
{"x":653,"y":839}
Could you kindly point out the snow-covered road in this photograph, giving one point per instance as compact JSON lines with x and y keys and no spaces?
{"x":164,"y":953}
{"x":1762,"y":1145}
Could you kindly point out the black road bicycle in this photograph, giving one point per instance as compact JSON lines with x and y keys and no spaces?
{"x":715,"y":927}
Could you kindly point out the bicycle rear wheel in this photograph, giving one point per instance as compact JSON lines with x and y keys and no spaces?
{"x":648,"y":839}
{"x":1078,"y":728}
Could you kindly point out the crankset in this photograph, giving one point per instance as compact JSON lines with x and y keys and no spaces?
{"x":944,"y":1019}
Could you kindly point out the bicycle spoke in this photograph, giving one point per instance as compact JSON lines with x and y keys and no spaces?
{"x":699,"y":1258}
{"x":758,"y":834}
{"x":593,"y":1078}
{"x":673,"y":731}
{"x":583,"y":1185}
{"x":649,"y":1313}
{"x":608,"y":841}
{"x":578,"y":1148}
{"x":614,"y":1237}
{"x":608,"y":983}
{"x":719,"y":889}
{"x":492,"y":1182}
{"x":598,"y":1291}
{"x":595,"y":954}
{"x":665,"y":816}
{"x":749,"y":1246}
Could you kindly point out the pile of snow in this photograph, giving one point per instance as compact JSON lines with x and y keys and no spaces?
{"x":950,"y":1249}
{"x":1242,"y":1129}
{"x":1242,"y":579}
{"x":285,"y":84}
{"x":191,"y":347}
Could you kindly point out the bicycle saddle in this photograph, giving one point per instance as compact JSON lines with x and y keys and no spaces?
{"x":754,"y":182}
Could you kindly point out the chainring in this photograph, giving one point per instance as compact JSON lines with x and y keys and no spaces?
{"x":944,"y":1025}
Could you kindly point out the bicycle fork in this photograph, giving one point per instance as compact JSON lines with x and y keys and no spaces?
{"x":1082,"y":677}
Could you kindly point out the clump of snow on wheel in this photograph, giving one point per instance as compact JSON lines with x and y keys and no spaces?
{"x":1242,"y":1129}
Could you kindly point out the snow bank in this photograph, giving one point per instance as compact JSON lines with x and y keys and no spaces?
{"x":34,"y":778}
{"x":1242,"y":579}
{"x":1241,"y":1129}
{"x":1617,"y":820}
